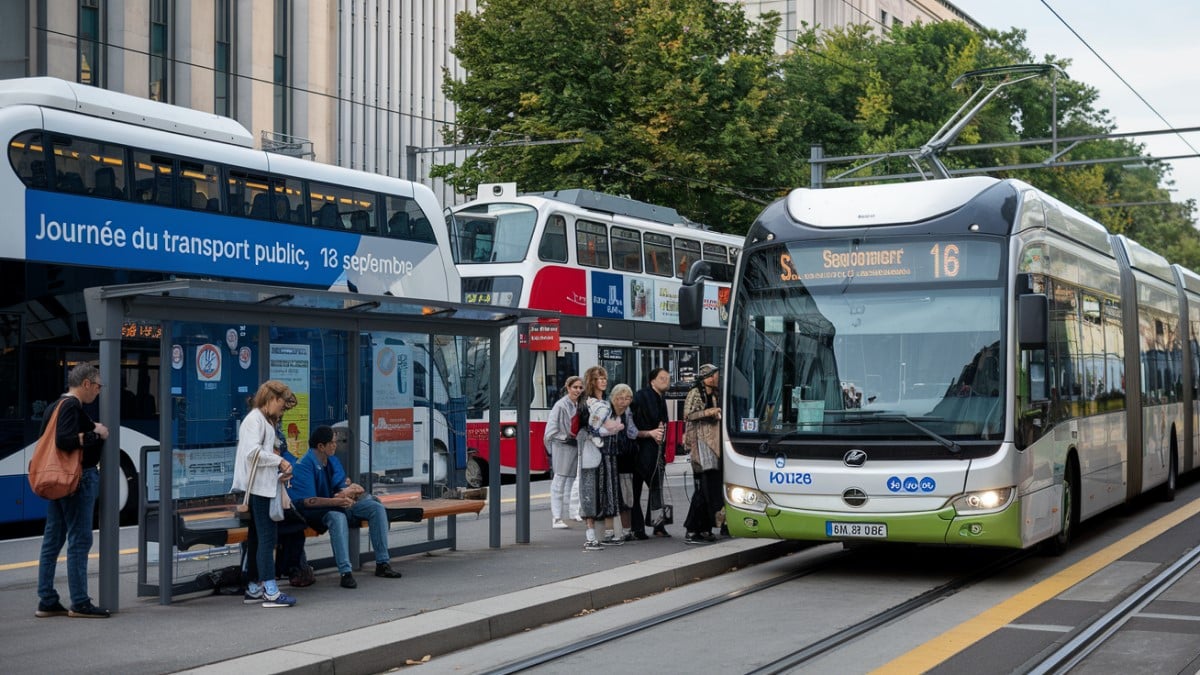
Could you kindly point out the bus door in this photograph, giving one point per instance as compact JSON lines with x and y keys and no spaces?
{"x":566,"y":364}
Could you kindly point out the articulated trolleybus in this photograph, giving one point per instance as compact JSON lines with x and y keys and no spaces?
{"x":612,"y":268}
{"x":963,"y":361}
{"x":101,"y":188}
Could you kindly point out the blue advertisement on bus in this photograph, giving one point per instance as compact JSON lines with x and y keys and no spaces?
{"x":78,"y":230}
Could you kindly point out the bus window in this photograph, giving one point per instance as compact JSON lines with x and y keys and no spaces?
{"x":591,"y":244}
{"x":716,"y":253}
{"x":658,"y":255}
{"x":27,"y":155}
{"x":69,"y":157}
{"x":340,"y":208}
{"x":198,"y":187}
{"x":153,"y":178}
{"x":687,"y":251}
{"x":626,"y":249}
{"x":287,"y":203}
{"x":249,"y":195}
{"x":553,"y":247}
{"x":406,"y":220}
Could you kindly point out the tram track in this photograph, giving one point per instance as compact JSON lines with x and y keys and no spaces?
{"x":1091,"y":637}
{"x":798,"y":657}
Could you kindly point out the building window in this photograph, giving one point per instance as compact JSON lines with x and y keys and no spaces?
{"x":282,"y":90}
{"x":159,"y":63}
{"x":222,"y":58}
{"x":90,"y":68}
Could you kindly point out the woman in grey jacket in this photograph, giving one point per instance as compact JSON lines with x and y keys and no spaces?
{"x":560,"y":440}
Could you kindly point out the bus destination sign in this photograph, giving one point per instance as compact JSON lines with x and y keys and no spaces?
{"x":907,"y":262}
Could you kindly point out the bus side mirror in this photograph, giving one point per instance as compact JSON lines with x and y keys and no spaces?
{"x":1033,"y":312}
{"x":691,"y":296}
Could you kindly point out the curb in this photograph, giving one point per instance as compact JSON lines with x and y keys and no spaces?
{"x":384,"y":646}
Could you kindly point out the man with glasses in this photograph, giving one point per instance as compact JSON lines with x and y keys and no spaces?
{"x":69,"y":519}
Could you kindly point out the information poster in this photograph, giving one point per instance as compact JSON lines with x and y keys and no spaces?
{"x":391,"y":403}
{"x":290,"y":364}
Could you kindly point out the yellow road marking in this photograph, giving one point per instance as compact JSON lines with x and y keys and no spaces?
{"x":61,"y":559}
{"x":955,"y":640}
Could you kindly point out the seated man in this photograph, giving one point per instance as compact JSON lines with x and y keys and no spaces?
{"x":324,"y":495}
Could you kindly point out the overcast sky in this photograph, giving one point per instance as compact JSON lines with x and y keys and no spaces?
{"x":1153,"y":44}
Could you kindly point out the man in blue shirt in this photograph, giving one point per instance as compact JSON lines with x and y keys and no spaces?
{"x":323,"y":493}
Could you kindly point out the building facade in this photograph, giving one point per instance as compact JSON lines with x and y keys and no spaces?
{"x":357,"y":83}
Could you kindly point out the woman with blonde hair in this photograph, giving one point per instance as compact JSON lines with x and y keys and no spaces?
{"x":259,"y":471}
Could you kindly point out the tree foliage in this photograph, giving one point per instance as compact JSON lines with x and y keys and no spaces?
{"x":684,"y":103}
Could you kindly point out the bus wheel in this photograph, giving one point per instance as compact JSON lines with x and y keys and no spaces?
{"x":1058,"y":544}
{"x":128,"y":492}
{"x":476,"y":472}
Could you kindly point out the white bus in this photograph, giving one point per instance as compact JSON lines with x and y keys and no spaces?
{"x":611,"y":267}
{"x":102,"y":188}
{"x":964,"y":361}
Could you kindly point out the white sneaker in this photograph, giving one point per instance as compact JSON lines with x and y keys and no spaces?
{"x":578,"y":519}
{"x":559,"y":524}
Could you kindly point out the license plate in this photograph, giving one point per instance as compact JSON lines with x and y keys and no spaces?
{"x":856,"y":530}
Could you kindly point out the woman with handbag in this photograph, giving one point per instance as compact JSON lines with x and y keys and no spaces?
{"x":593,"y":407}
{"x":562,"y":429}
{"x":259,"y":471}
{"x":702,"y":411}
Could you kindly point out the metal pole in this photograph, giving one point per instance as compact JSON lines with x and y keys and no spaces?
{"x":494,"y":443}
{"x":166,"y":510}
{"x":524,"y":379}
{"x":353,"y":425}
{"x":108,"y":333}
{"x":816,"y":168}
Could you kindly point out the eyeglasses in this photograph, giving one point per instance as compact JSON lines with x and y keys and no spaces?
{"x":98,"y":385}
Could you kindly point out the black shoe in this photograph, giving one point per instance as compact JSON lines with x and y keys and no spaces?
{"x":661,"y":532}
{"x":706,"y":536}
{"x":693,"y":538}
{"x":53,"y":609}
{"x":348,"y":581}
{"x":385,"y":570}
{"x":88,"y":611}
{"x":641,"y":536}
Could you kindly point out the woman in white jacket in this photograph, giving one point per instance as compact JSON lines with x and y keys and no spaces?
{"x":256,"y":455}
{"x":560,"y":438}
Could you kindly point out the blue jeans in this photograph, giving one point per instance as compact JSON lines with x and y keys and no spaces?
{"x":69,"y":520}
{"x":264,"y":555}
{"x":368,"y":509}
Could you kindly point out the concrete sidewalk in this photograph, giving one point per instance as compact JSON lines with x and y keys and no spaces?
{"x":446,"y":600}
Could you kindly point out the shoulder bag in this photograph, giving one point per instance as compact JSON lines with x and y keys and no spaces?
{"x":54,"y":474}
{"x":243,"y":509}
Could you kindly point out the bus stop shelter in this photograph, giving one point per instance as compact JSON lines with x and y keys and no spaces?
{"x":111,"y":308}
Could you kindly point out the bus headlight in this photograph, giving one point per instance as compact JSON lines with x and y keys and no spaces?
{"x":508,"y":431}
{"x":746,"y":498}
{"x":983,"y":501}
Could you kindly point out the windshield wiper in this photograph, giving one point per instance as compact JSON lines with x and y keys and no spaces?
{"x":946,"y":443}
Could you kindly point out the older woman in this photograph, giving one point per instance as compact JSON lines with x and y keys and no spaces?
{"x":560,"y":439}
{"x":611,"y":423}
{"x":259,"y":471}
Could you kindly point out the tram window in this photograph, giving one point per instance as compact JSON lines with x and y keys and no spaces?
{"x":69,"y":156}
{"x":27,"y":155}
{"x":406,"y":220}
{"x":249,"y":195}
{"x":553,"y":247}
{"x":591,"y":244}
{"x":626,"y":249}
{"x":658,"y":255}
{"x":287,"y":203}
{"x":687,"y":251}
{"x":716,"y":253}
{"x":153,"y":178}
{"x":198,"y":187}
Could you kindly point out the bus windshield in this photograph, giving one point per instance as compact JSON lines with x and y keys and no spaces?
{"x":492,"y":233}
{"x":819,"y":346}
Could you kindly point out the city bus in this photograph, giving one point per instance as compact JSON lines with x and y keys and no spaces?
{"x":611,"y":267}
{"x":963,"y":361}
{"x":102,"y":188}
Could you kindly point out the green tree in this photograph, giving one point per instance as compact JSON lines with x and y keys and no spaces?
{"x":675,"y":102}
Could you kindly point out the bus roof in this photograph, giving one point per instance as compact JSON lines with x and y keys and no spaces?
{"x":51,"y":92}
{"x":887,"y":204}
{"x":619,"y":206}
